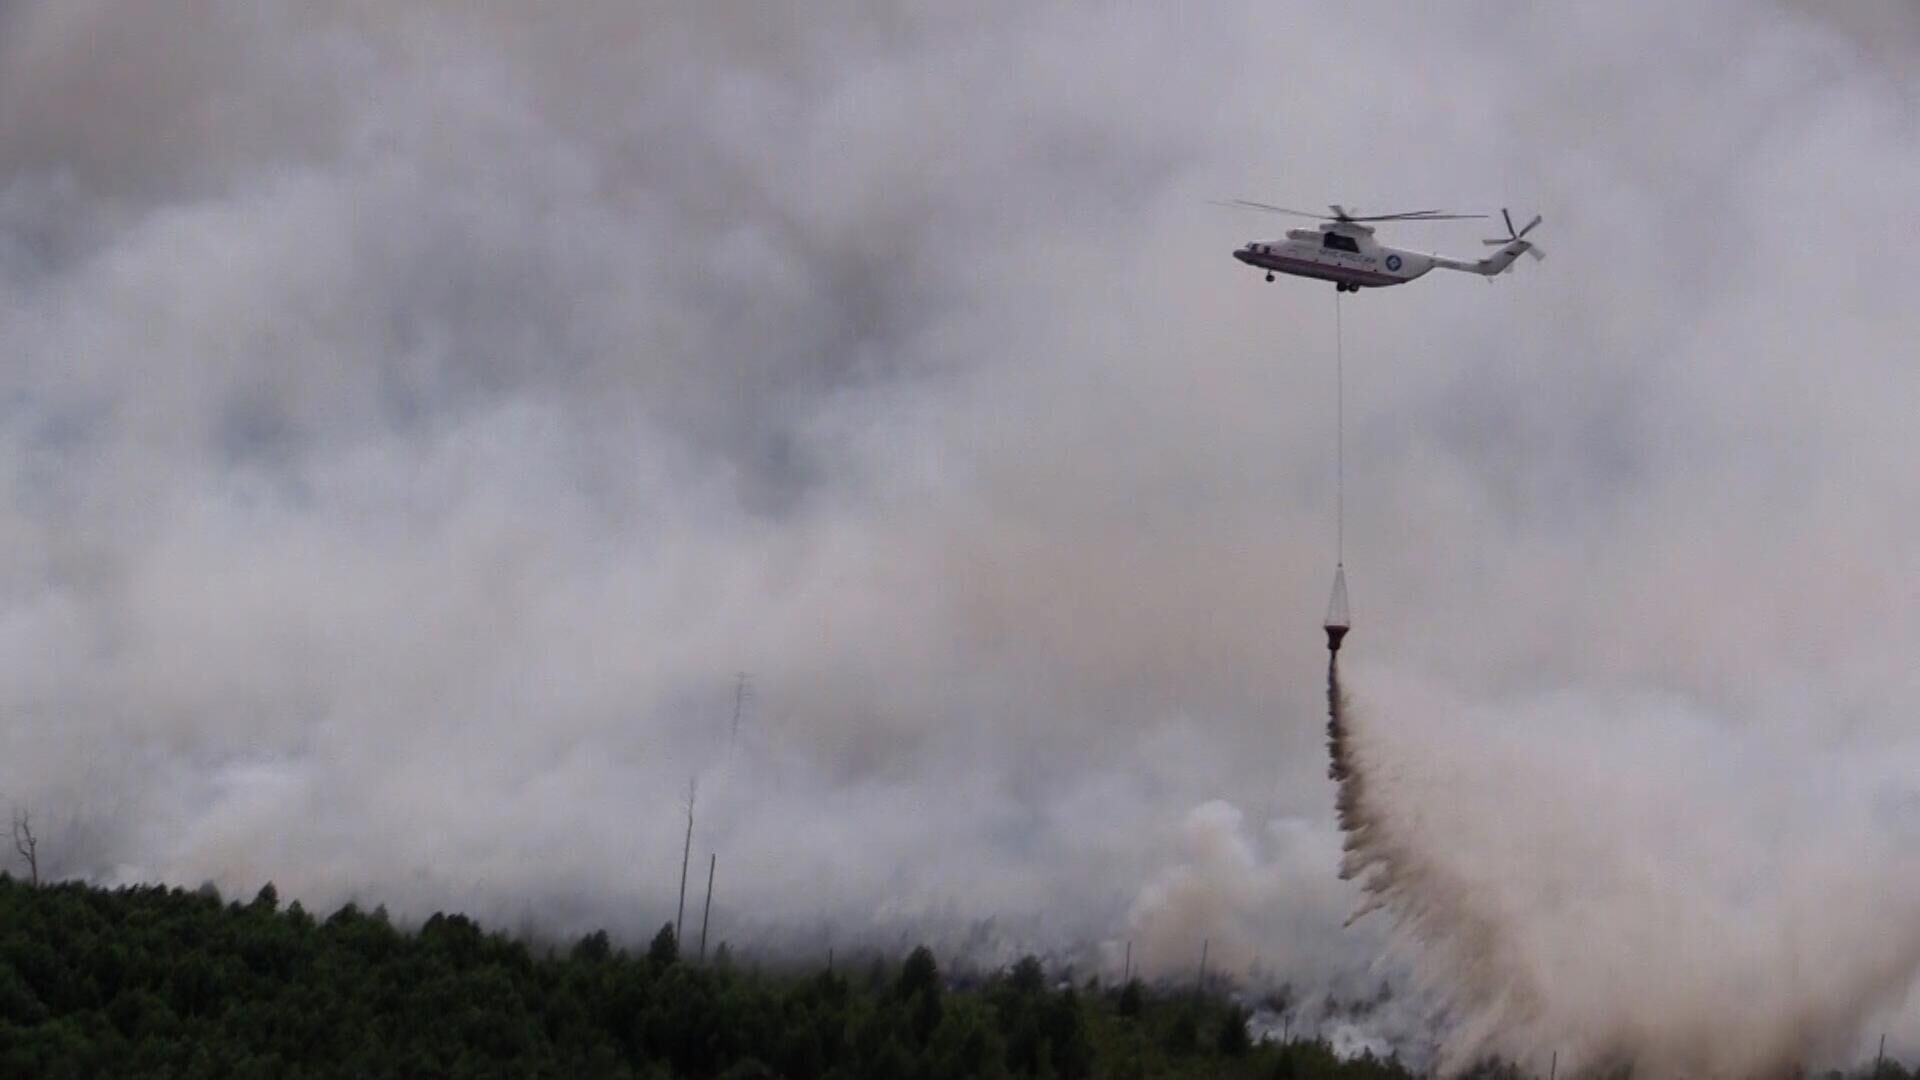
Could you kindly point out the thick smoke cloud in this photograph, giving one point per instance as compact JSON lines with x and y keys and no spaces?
{"x":414,"y":418}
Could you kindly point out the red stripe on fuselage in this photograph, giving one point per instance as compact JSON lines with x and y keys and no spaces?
{"x":1309,"y":268}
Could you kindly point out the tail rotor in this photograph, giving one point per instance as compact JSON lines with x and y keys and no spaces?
{"x":1517,"y":236}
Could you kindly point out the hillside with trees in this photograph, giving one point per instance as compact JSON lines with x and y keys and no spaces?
{"x":158,"y":982}
{"x":152,"y":982}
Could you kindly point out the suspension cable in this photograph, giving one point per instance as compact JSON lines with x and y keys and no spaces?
{"x":1339,"y":438}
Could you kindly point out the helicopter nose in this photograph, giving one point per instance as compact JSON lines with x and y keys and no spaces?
{"x":1245,"y":255}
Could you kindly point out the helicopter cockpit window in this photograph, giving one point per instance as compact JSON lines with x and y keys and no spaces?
{"x":1336,"y":242}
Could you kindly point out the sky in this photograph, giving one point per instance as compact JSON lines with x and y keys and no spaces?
{"x":415,"y":417}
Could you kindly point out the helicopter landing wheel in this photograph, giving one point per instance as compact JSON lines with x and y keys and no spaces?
{"x":1269,"y":277}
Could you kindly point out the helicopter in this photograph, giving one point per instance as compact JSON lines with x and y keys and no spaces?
{"x":1344,"y":251}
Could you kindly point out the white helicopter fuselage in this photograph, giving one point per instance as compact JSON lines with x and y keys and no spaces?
{"x":1347,"y":255}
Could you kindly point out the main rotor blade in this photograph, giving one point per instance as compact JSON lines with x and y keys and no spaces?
{"x":1245,"y":204}
{"x":1418,"y":215}
{"x":1410,"y":215}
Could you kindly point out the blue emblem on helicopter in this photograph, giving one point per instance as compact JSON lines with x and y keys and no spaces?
{"x":1393,"y":262}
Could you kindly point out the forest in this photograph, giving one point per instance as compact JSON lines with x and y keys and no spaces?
{"x":166,"y":982}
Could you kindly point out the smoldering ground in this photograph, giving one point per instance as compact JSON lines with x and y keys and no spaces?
{"x":415,"y":416}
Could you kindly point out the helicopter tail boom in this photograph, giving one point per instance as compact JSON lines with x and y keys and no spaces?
{"x":1495,"y":264}
{"x":1511,"y":247}
{"x":1499,"y":261}
{"x":1491,"y":266}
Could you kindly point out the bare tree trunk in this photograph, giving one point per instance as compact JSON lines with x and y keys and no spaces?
{"x":27,"y":845}
{"x":741,"y":692}
{"x":685,"y":853}
{"x":708,"y":914}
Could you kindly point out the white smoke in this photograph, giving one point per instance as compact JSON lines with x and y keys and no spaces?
{"x":414,"y":417}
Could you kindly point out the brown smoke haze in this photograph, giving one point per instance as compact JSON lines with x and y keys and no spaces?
{"x":413,"y":416}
